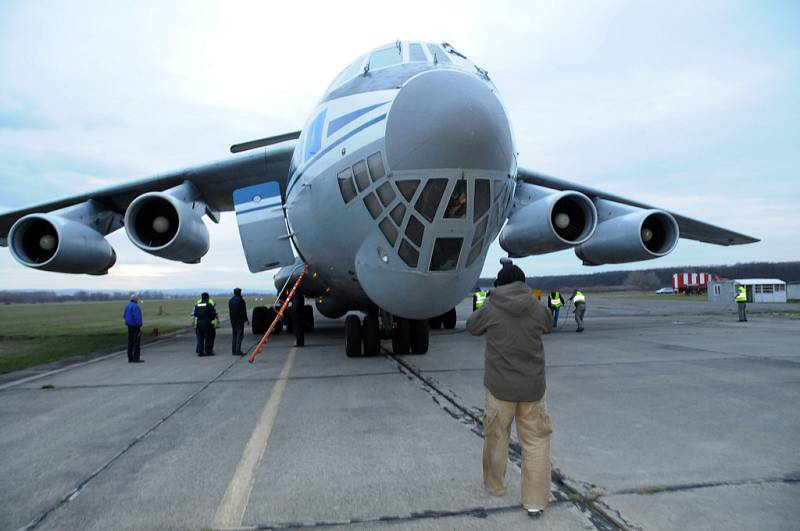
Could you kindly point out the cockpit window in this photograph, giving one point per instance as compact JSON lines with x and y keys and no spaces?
{"x":457,"y":207}
{"x":416,"y":54}
{"x":389,"y":56}
{"x":440,"y":56}
{"x":429,"y":199}
{"x":313,"y":140}
{"x":350,"y":72}
{"x":445,"y":254}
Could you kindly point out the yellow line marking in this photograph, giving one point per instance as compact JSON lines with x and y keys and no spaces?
{"x":234,"y":503}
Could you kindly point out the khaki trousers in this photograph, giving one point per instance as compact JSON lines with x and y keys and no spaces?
{"x":534,"y":429}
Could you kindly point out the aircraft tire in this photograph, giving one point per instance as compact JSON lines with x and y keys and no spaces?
{"x":401,"y":336}
{"x":352,"y":336}
{"x":371,"y":335}
{"x":435,"y":323}
{"x":308,"y":318}
{"x":419,"y":336}
{"x":258,"y":321}
{"x":270,"y":316}
{"x":449,"y":319}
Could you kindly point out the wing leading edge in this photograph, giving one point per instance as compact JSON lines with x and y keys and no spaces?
{"x":216,"y":182}
{"x":690,"y":229}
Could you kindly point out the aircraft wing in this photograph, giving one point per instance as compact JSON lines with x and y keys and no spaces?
{"x":690,"y":229}
{"x":215,"y":181}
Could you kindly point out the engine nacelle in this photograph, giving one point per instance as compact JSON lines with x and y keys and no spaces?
{"x":332,"y":307}
{"x":169,"y":224}
{"x":629,"y":234}
{"x":544,"y":221}
{"x":54,"y":243}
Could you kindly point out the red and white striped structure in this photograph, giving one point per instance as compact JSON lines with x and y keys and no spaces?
{"x":692,"y":281}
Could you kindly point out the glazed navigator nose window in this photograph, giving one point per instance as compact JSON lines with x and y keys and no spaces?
{"x":429,"y":199}
{"x":445,"y":254}
{"x":457,"y":206}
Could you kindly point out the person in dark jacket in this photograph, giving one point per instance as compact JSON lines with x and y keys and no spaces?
{"x":513,"y":322}
{"x":298,"y":302}
{"x":133,"y":320}
{"x":237,"y":309}
{"x":204,"y":315}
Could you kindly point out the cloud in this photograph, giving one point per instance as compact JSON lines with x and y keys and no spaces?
{"x":689,"y":106}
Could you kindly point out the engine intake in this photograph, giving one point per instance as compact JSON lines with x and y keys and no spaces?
{"x":54,"y":243}
{"x":633,"y":234}
{"x":167,"y":224}
{"x":544,"y":221}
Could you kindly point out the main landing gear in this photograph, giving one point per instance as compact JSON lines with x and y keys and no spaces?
{"x":407,"y":335}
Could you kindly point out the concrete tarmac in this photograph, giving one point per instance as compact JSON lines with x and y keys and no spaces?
{"x":667,"y":415}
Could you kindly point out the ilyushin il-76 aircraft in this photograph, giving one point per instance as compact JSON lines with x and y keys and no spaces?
{"x":404,"y":174}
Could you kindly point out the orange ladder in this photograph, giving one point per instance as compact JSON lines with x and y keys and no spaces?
{"x":278,"y":316}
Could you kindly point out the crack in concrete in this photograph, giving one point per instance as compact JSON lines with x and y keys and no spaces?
{"x":658,"y":489}
{"x":600,"y":517}
{"x":136,"y":440}
{"x":475,"y":512}
{"x":52,"y":387}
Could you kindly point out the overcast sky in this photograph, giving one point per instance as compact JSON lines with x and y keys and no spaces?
{"x":692,"y":106}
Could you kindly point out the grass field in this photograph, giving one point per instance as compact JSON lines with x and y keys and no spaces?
{"x":32,"y":334}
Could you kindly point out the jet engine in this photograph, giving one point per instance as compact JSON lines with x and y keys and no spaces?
{"x":55,"y":243}
{"x":543,"y":221}
{"x":629,"y":234}
{"x":169,"y":224}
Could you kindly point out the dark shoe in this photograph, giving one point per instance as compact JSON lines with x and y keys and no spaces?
{"x":534,"y":513}
{"x":138,"y":361}
{"x":579,"y":330}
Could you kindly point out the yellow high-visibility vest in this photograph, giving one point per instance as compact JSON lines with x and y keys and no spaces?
{"x":480,"y":298}
{"x":578,"y":297}
{"x":741,"y":294}
{"x":555,"y":299}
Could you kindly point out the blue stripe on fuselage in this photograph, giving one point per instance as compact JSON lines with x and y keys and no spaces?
{"x":337,"y":123}
{"x":296,"y":177}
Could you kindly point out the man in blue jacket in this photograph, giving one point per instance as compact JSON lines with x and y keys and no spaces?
{"x":133,"y":320}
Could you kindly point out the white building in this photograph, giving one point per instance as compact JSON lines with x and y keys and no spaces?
{"x":758,"y":290}
{"x":793,"y":291}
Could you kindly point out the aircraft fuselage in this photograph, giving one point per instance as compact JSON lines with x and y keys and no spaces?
{"x":401,"y":180}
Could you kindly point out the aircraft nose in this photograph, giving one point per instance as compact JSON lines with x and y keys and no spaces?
{"x":448,"y":119}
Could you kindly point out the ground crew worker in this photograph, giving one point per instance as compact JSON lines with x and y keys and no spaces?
{"x":298,"y":311}
{"x":213,"y":325}
{"x":478,"y":298}
{"x":513,"y":323}
{"x":237,"y":309}
{"x":579,"y":301}
{"x":741,"y":302}
{"x":555,"y":301}
{"x":133,"y":320}
{"x":204,"y":315}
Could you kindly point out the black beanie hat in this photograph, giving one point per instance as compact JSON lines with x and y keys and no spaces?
{"x":509,"y":274}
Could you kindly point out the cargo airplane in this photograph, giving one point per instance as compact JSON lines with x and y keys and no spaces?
{"x":404,"y":174}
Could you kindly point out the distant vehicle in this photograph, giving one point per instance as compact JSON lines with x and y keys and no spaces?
{"x":665,"y":291}
{"x":691,"y":283}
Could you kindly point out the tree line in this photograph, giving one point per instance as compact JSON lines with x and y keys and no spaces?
{"x":662,"y":276}
{"x":36,"y":296}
